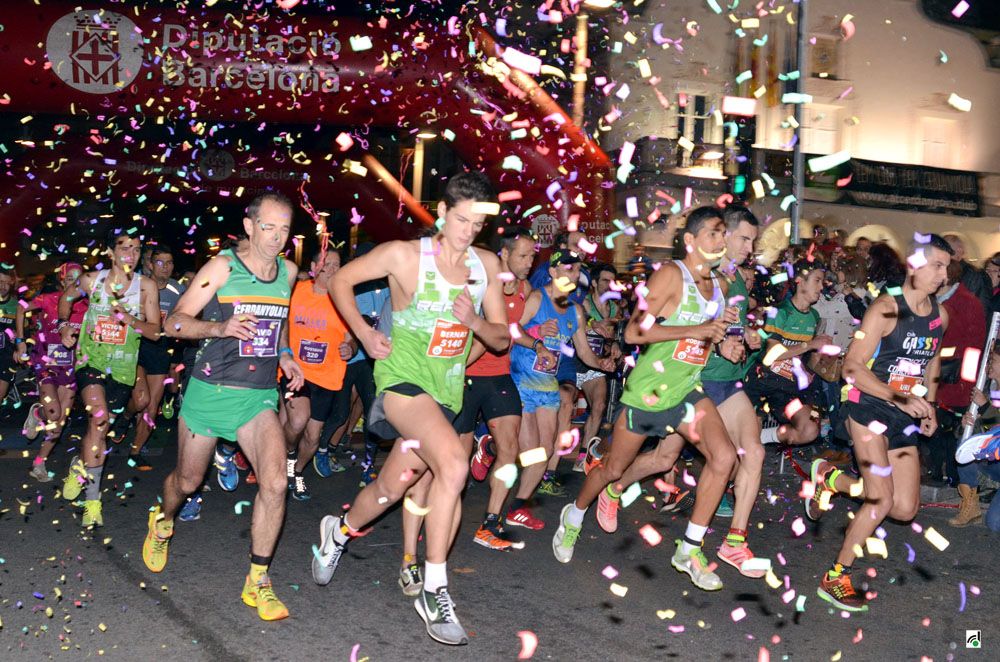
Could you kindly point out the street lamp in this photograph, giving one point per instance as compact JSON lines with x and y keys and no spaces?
{"x":299,"y":239}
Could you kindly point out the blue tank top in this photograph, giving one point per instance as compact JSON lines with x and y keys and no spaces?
{"x":524,"y":365}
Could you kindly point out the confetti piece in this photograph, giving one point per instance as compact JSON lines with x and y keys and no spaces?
{"x":756,"y":564}
{"x":618,"y":590}
{"x":650,"y":535}
{"x":738,"y":614}
{"x":529,"y":642}
{"x":507,"y":473}
{"x":240,"y":505}
{"x":877,"y":427}
{"x":958,"y":103}
{"x":529,"y":64}
{"x":413,"y":508}
{"x":961,"y":592}
{"x":360,"y":43}
{"x":936,"y":539}
{"x":824,"y":163}
{"x":772,"y":579}
{"x":881,"y":471}
{"x":664,"y":614}
{"x":970,"y":364}
{"x":959,"y":10}
{"x":876,"y":547}
{"x":409,"y":444}
{"x":485,"y":208}
{"x":533,"y":456}
{"x":631,"y":493}
{"x":798,"y":527}
{"x":609,"y":572}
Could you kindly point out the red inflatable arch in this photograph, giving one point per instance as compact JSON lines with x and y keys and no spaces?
{"x":166,"y":67}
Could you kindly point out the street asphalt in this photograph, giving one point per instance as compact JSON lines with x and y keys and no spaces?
{"x":67,"y":594}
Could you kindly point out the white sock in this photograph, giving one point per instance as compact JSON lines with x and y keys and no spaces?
{"x":339,"y":536}
{"x":435,"y":576}
{"x":93,"y":488}
{"x":574,"y":515}
{"x":695,"y":533}
{"x":769,"y":436}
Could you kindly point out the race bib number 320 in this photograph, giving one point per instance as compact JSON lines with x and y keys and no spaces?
{"x":448,"y":340}
{"x":265,"y":341}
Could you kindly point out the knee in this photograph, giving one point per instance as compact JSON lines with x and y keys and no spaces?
{"x":883,"y":504}
{"x":721,"y":459}
{"x":613,"y":468}
{"x":452,"y":474}
{"x":905,"y":509}
{"x":808,"y":431}
{"x":52,"y":413}
{"x":141,"y":401}
{"x":506,"y":450}
{"x":753,"y":457}
{"x":273,"y":486}
{"x":188,"y":483}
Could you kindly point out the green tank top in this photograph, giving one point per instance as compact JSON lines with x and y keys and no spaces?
{"x":667,"y":371}
{"x":719,"y":369}
{"x":429,"y":345}
{"x":106,"y":344}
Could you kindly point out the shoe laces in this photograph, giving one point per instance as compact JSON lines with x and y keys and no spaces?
{"x":413,"y":573}
{"x":300,"y":484}
{"x":446,"y":605}
{"x":698,"y":555}
{"x":265,"y":591}
{"x":572,"y":533}
{"x":338,"y":549}
{"x":843,"y":588}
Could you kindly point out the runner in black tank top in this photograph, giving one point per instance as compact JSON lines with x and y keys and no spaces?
{"x":892,"y":367}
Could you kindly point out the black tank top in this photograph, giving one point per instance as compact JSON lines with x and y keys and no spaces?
{"x":902,"y":356}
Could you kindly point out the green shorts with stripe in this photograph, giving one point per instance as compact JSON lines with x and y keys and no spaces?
{"x":213,"y":410}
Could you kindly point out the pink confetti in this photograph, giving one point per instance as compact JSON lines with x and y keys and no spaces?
{"x":798,"y":527}
{"x":970,"y":364}
{"x":881,"y":471}
{"x":410,"y":444}
{"x":609,"y":572}
{"x":738,"y":614}
{"x":676,"y":629}
{"x":960,"y":9}
{"x":877,"y":427}
{"x":529,"y":642}
{"x":689,"y":479}
{"x":650,"y":535}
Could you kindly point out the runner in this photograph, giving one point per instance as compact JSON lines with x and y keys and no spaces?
{"x":232,"y":392}
{"x":684,"y":312}
{"x":892,"y":365}
{"x":437,"y":285}
{"x":491,"y":391}
{"x":786,"y":387}
{"x":157,"y":357}
{"x":123,"y":306}
{"x":535,"y":364}
{"x":722,"y":382}
{"x":321,"y":345}
{"x":8,"y":340}
{"x":52,"y":362}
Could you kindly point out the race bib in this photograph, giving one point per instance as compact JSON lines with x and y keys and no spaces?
{"x":692,"y":352}
{"x":538,"y":366}
{"x":448,"y":340}
{"x":783,"y":368}
{"x":903,"y":384}
{"x":312,"y":351}
{"x":109,"y":331}
{"x":596,"y":342}
{"x":59,"y":354}
{"x":265,"y":341}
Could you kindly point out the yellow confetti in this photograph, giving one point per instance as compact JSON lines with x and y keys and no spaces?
{"x":102,"y":627}
{"x":936,"y":539}
{"x":618,"y":589}
{"x":857,"y":488}
{"x":664,"y":614}
{"x":876,"y":547}
{"x":773,"y":354}
{"x":772,"y":579}
{"x":533,"y":456}
{"x":412,"y":507}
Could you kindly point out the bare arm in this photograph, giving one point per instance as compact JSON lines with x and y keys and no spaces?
{"x":183,"y":322}
{"x":74,"y":292}
{"x":531,"y":306}
{"x":149,"y":299}
{"x":583,"y":350}
{"x":664,"y":288}
{"x":359,"y":270}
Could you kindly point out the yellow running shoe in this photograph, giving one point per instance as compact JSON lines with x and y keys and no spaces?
{"x":260,"y":594}
{"x":154,"y":547}
{"x":75,"y":479}
{"x":92,"y":513}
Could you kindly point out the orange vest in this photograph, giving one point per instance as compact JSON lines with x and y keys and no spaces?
{"x":315,"y":332}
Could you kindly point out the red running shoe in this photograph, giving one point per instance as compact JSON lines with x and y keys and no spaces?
{"x":523,"y":517}
{"x":483,"y":458}
{"x":241,"y":461}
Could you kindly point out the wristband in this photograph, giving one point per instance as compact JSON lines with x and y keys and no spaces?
{"x":534,"y":345}
{"x":285,"y":350}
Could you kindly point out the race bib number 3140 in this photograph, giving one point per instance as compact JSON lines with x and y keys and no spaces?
{"x":448,"y":340}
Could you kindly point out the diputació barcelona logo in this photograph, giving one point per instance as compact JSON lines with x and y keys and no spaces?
{"x":95,"y":51}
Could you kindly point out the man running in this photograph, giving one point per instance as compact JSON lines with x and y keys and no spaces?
{"x":685,"y":314}
{"x":721,"y":380}
{"x":535,"y":360}
{"x":156,"y":357}
{"x":785,"y":386}
{"x":321,"y":345}
{"x":491,"y":391}
{"x":232,"y":392}
{"x":52,"y":362}
{"x":8,"y":341}
{"x":123,"y":307}
{"x":437,"y":285}
{"x":892,"y":366}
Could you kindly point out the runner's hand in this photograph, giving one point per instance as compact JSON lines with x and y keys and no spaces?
{"x":347,"y":349}
{"x":979,"y":397}
{"x":21,"y":355}
{"x":548,"y":329}
{"x":463,"y":309}
{"x":929,"y":425}
{"x":243,"y":327}
{"x":917,"y":407}
{"x":68,"y":335}
{"x":606,"y":365}
{"x":730,"y":315}
{"x":713,"y":331}
{"x":292,"y":371}
{"x":753,"y":339}
{"x":376,"y":344}
{"x":732,"y":349}
{"x":604,"y":327}
{"x":820,"y":341}
{"x":546,"y":356}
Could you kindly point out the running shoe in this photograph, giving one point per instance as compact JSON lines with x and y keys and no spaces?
{"x":592,"y":459}
{"x":984,"y":446}
{"x":228,"y":476}
{"x":75,"y":479}
{"x":737,"y":556}
{"x":607,"y":511}
{"x":92,"y":514}
{"x":260,"y":594}
{"x":523,"y":517}
{"x":578,"y":464}
{"x":290,"y":467}
{"x":299,"y":490}
{"x":486,"y":537}
{"x":695,"y":565}
{"x":251,"y":478}
{"x":839,"y":591}
{"x":327,"y":556}
{"x":241,"y":461}
{"x":438,"y":611}
{"x":139,"y":462}
{"x":677,"y":500}
{"x":565,"y":538}
{"x":411,"y":580}
{"x":191,"y":510}
{"x":155,"y":546}
{"x":321,"y":463}
{"x":818,"y":474}
{"x":483,"y":458}
{"x":168,"y":409}
{"x":33,"y":424}
{"x":725,"y":508}
{"x":552,"y":487}
{"x":368,"y":476}
{"x":40,"y":473}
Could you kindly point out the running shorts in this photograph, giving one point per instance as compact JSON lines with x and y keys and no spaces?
{"x":495,"y":396}
{"x":213,"y":410}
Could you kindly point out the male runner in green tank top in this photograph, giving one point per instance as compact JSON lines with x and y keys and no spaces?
{"x":123,"y":306}
{"x":681,"y":315}
{"x":435,"y":286}
{"x":232,"y":392}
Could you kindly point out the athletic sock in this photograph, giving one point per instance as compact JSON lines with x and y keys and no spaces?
{"x":548,"y":475}
{"x":93,"y":489}
{"x":612,"y":493}
{"x":769,"y":436}
{"x":344,"y":532}
{"x":38,"y":460}
{"x":491,"y":522}
{"x":258,"y":569}
{"x":692,"y":537}
{"x":435,"y":576}
{"x":574,"y":515}
{"x":838,"y":569}
{"x":831,"y":479}
{"x":736,"y":537}
{"x":515,"y":504}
